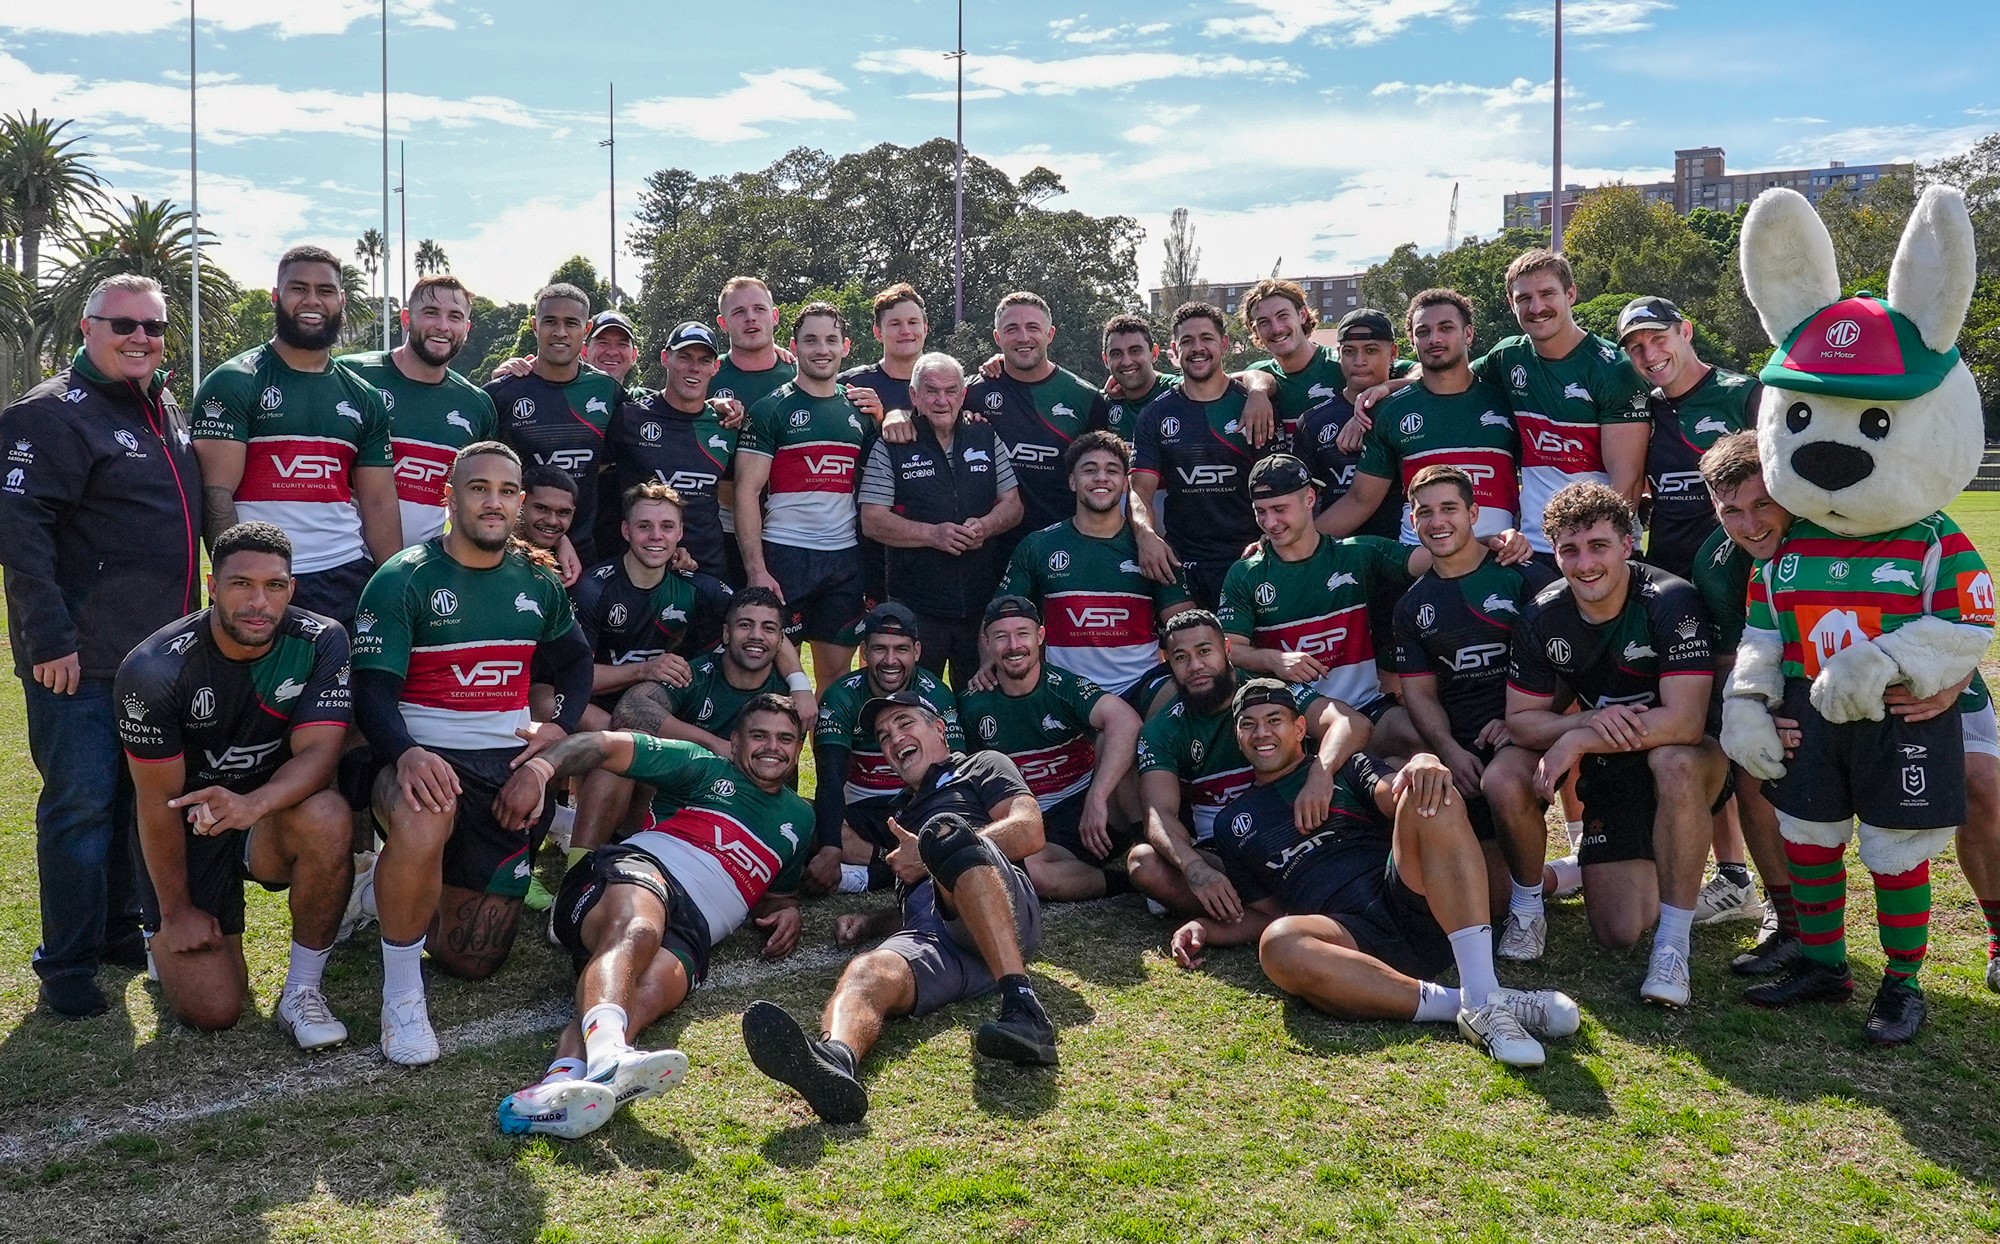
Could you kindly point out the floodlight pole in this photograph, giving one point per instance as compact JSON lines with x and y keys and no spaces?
{"x":1556,"y":202}
{"x":403,"y":211}
{"x":610,"y":145}
{"x":383,"y":264}
{"x":194,"y":213}
{"x":958,"y":187}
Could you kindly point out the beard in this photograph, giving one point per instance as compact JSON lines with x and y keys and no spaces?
{"x":1215,"y":700}
{"x":421,"y":347}
{"x":298,"y":338}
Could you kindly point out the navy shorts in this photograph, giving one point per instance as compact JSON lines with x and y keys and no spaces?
{"x":1062,"y":827}
{"x":480,"y":855}
{"x":940,"y":950}
{"x":822,"y":590}
{"x":685,"y":936}
{"x":334,"y":593}
{"x":1889,"y":773}
{"x":217,"y":867}
{"x":1393,"y":923}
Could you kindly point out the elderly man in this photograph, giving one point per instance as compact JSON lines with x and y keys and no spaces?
{"x":938,"y":503}
{"x":99,"y":522}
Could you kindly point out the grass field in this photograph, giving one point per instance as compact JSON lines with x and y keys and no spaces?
{"x":1188,"y":1107}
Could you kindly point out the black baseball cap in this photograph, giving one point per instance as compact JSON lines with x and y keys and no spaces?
{"x":1648,"y":312}
{"x":1364,"y":324}
{"x":906,"y":698}
{"x":888,"y":618}
{"x":692,"y":333}
{"x":1011,"y":607}
{"x":1262,"y":691}
{"x":611,"y":319}
{"x":1279,"y":475}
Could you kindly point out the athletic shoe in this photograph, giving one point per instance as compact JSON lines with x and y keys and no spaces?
{"x":1495,"y":1029}
{"x":565,"y":1108}
{"x":128,"y":951}
{"x":1021,"y":1034}
{"x":538,"y":897}
{"x":1667,"y":978}
{"x":305,"y":1017}
{"x":1722,"y":900}
{"x":1156,"y":909}
{"x":360,"y":911}
{"x":152,"y":967}
{"x":407,"y":1038}
{"x":74,"y":996}
{"x":782,"y":1050}
{"x":561,"y":826}
{"x":1522,"y":939}
{"x":1571,"y":866}
{"x":1773,"y":953}
{"x":1806,"y":980}
{"x":1993,"y":975}
{"x":1898,"y":1011}
{"x":1543,"y":1012}
{"x":643,"y":1073}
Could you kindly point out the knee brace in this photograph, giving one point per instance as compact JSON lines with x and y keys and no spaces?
{"x":949,"y":847}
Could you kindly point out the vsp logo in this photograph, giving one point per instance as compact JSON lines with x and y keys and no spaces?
{"x":1478,"y":472}
{"x":1327,"y":641}
{"x":568,"y":459}
{"x":1207,"y":476}
{"x":489,"y":673}
{"x":308,"y":466}
{"x":1033,"y":771}
{"x":240,"y":758}
{"x":1098,"y":617}
{"x":420,"y":470}
{"x":1478,"y":657}
{"x":1033,"y":455}
{"x":1679,"y":482}
{"x":687,"y":481}
{"x":830,"y":464}
{"x":1553,"y":443}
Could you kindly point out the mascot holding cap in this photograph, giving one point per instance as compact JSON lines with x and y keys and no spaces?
{"x":1870,"y":425}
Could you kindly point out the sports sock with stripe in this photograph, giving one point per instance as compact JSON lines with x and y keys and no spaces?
{"x":1780,"y":897}
{"x":603,"y":1035}
{"x":1819,"y":895}
{"x":1990,"y":908}
{"x":1526,"y":901}
{"x":1472,"y":950}
{"x":1903,"y":918}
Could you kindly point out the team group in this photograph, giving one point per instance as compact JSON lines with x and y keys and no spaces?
{"x":1302,"y":655}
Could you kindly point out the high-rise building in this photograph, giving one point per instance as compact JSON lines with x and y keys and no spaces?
{"x":1702,"y":180}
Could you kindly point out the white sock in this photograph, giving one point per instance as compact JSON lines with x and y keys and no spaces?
{"x":307,"y":968}
{"x":1436,"y":1004}
{"x":564,"y":1069}
{"x":1575,"y":829}
{"x":603,"y":1034}
{"x":853,"y":879}
{"x":402,"y":969}
{"x":1569,"y":873}
{"x":1472,"y":950}
{"x":1527,"y":900}
{"x":1675,"y":922}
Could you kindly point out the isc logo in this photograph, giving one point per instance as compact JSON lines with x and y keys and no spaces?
{"x":1477,"y":657}
{"x":308,"y":466}
{"x":1196,"y":477}
{"x":830,"y":464}
{"x":1097,"y":617}
{"x":420,"y":471}
{"x":487,"y":673}
{"x":567,"y":459}
{"x":692,"y":481}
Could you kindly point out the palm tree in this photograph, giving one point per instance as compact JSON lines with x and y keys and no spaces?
{"x":360,"y":319}
{"x":431,"y":258}
{"x":368,"y":249}
{"x":43,"y":184}
{"x":146,"y":239}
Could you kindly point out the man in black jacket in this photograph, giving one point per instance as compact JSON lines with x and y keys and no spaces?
{"x":940,"y":504}
{"x":99,"y":529}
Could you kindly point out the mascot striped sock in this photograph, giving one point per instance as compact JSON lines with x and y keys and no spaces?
{"x":1990,"y":908}
{"x":1819,"y":895}
{"x":1903,"y":916}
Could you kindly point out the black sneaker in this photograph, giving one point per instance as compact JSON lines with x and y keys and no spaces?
{"x":1897,"y":1013}
{"x":782,"y":1050}
{"x":1022,"y":1033}
{"x":74,"y":996}
{"x":1993,"y":975}
{"x":1806,"y":980}
{"x":128,"y":951}
{"x":1767,"y":958}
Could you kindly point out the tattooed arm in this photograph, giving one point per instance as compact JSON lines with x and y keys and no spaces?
{"x":520,"y":800}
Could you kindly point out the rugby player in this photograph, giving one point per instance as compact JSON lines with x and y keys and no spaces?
{"x":1134,"y":380}
{"x":285,"y":437}
{"x":610,"y":344}
{"x":851,"y":816}
{"x":1192,"y":444}
{"x":1307,"y":373}
{"x":1630,"y":643}
{"x":801,"y":541}
{"x":548,"y":508}
{"x":967,"y":922}
{"x":674,"y":438}
{"x":444,"y":641}
{"x":433,"y":411}
{"x":751,"y":370}
{"x":233,"y":719}
{"x":1367,"y":344}
{"x":1190,"y":746}
{"x":1359,"y":913}
{"x":1104,"y":610}
{"x":722,"y":848}
{"x":1074,"y":746}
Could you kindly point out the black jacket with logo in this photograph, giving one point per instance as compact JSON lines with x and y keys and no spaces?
{"x":931,"y":485}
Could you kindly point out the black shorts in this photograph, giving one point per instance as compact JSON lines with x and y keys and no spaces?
{"x":1382,"y":629}
{"x":940,"y":950}
{"x":1620,"y":806}
{"x":822,"y":590}
{"x":334,"y":593}
{"x":480,"y":855}
{"x":686,"y":934}
{"x":1061,"y":827}
{"x":217,"y":867}
{"x":1393,"y":923}
{"x":1204,"y":581}
{"x":1376,"y":709}
{"x":732,"y":563}
{"x":949,"y":640}
{"x":1889,"y":773}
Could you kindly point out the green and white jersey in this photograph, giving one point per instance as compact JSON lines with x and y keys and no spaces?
{"x":462,"y":639}
{"x":814,"y":444}
{"x":428,"y":425}
{"x":1561,"y":407}
{"x":1824,"y":592}
{"x":304,"y":435}
{"x":869,"y":778}
{"x":1201,"y":750}
{"x":1101,"y":611}
{"x":711,"y":702}
{"x":1121,"y":414}
{"x":1473,"y":431}
{"x":1321,"y":378}
{"x":749,"y":388}
{"x":727,"y":840}
{"x":1722,"y":575}
{"x":1683,"y":429}
{"x":1318,"y":606}
{"x":1046,"y":732}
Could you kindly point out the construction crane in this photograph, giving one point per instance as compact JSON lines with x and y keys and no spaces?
{"x":1451,"y":226}
{"x":1275,"y":266}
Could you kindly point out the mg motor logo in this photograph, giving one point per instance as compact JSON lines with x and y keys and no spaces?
{"x":271,"y":398}
{"x":800,"y":418}
{"x":444,"y":602}
{"x":1059,"y":560}
{"x":419,"y":471}
{"x":1412,"y":424}
{"x":488,"y":673}
{"x":1206,"y":476}
{"x":567,"y":459}
{"x":1098,"y":617}
{"x":203,"y":704}
{"x":1559,"y":651}
{"x":1518,"y":377}
{"x":524,"y":408}
{"x":995,"y":400}
{"x":1842,"y":334}
{"x":1170,"y":427}
{"x":650,"y":431}
{"x":830,"y":464}
{"x":1267,"y":594}
{"x":687,"y":481}
{"x":308,"y":466}
{"x":241,"y":759}
{"x":1426,"y":617}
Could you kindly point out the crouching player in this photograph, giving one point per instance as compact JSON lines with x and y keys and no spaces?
{"x":1359,"y":916}
{"x":641,"y":916}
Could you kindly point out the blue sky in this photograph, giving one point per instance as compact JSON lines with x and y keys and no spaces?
{"x":1316,"y":132}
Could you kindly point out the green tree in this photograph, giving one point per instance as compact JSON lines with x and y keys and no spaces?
{"x":368,"y":249}
{"x":1617,"y":240}
{"x":430,"y":257}
{"x":495,"y":327}
{"x":1866,"y":228}
{"x":44,"y":184}
{"x":580,"y":272}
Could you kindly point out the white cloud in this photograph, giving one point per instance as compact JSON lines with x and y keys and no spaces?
{"x":1798,"y":120}
{"x":507,"y":256}
{"x":764,"y":99}
{"x":1017,"y":75}
{"x":1596,"y":17}
{"x":287,"y":18}
{"x":1516,"y":94}
{"x":1072,"y":30}
{"x":1884,"y":144}
{"x":1357,"y":22}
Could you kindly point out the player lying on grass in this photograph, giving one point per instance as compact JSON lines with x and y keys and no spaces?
{"x":1359,"y":917}
{"x":724,"y":845}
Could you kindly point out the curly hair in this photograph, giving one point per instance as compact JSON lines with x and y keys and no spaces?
{"x":1585,"y":504}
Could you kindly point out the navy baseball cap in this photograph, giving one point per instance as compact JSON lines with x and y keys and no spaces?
{"x":1364,"y":324}
{"x":906,"y":698}
{"x":889,"y":618}
{"x":1262,"y":691}
{"x":691,"y":333}
{"x":1279,"y":475}
{"x":1648,"y":312}
{"x":611,"y":319}
{"x":1011,"y":607}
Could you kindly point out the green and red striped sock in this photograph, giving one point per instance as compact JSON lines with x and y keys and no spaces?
{"x":1780,"y":897}
{"x":1819,"y":897}
{"x":1990,"y":908}
{"x":1903,"y":917}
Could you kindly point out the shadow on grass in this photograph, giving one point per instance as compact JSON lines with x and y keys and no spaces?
{"x":1104,"y":954}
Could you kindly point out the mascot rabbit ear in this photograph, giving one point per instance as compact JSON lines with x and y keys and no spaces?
{"x":1788,"y":265}
{"x":1936,"y":266}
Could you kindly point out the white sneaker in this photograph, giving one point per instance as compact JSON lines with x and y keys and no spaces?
{"x":407,"y":1038}
{"x":643,"y":1073}
{"x":306,"y":1019}
{"x":152,"y":964}
{"x":1569,"y":872}
{"x":360,"y":911}
{"x":1544,"y":1012}
{"x":1722,"y":900}
{"x":1523,"y":939}
{"x":1495,"y":1029}
{"x":1667,"y":978}
{"x":565,"y":1108}
{"x":562,"y":826}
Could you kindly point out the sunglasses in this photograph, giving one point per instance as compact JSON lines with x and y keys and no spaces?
{"x":125,"y":325}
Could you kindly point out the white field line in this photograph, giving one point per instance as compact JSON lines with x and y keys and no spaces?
{"x":366,"y":1065}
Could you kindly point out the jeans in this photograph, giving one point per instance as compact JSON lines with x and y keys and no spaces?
{"x":86,"y":835}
